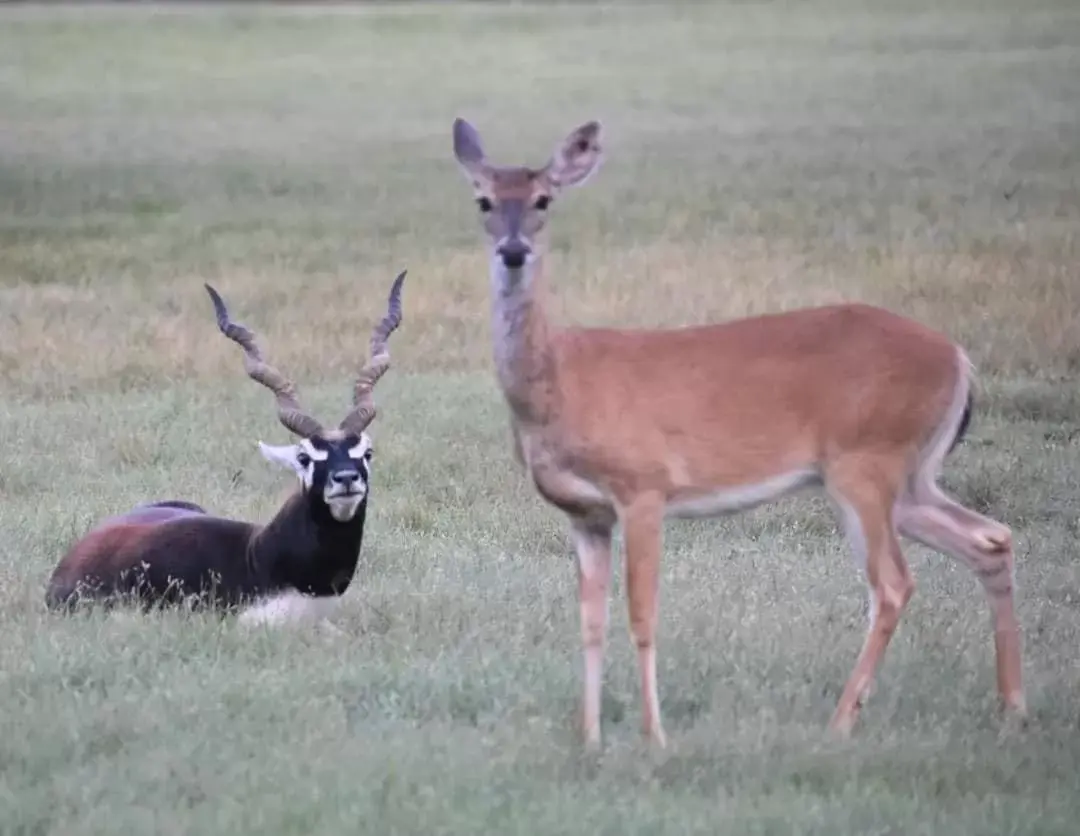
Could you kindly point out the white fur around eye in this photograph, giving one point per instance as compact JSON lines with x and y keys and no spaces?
{"x":316,"y":455}
{"x":362,"y":449}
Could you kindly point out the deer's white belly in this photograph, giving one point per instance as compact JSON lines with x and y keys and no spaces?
{"x":740,"y":497}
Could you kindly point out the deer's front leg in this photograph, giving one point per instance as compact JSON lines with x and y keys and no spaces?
{"x":643,"y":531}
{"x":592,"y":541}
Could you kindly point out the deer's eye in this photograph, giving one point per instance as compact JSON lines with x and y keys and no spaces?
{"x":484,"y":204}
{"x":303,"y":459}
{"x":541,"y":203}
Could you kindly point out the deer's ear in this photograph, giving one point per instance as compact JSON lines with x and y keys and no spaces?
{"x":469,"y":151}
{"x":577,"y":157}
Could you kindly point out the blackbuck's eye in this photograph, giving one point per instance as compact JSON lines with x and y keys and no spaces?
{"x":303,"y":459}
{"x":541,"y":203}
{"x":484,"y":204}
{"x":369,"y":455}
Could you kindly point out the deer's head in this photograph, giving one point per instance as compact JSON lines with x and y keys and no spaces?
{"x":514,"y":201}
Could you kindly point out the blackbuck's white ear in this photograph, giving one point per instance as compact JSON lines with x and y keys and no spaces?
{"x":287,"y":456}
{"x":469,"y":151}
{"x":577,"y":157}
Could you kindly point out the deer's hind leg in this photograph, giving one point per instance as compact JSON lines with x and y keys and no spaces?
{"x":925,"y":514}
{"x":865,"y":489}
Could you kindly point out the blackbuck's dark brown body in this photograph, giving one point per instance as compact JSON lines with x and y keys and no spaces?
{"x":163,"y":554}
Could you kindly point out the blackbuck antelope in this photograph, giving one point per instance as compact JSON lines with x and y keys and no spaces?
{"x":294,"y":568}
{"x":621,"y":426}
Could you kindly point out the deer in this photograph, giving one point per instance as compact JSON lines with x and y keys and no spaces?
{"x":630,"y":427}
{"x":293,"y":569}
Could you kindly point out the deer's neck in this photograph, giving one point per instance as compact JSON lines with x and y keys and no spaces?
{"x":524,"y":352}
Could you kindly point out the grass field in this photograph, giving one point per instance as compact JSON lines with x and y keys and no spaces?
{"x":760,"y":156}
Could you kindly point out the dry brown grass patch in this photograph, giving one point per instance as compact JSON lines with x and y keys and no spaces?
{"x":1014,"y":314}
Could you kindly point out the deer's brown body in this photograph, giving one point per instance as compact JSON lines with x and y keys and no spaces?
{"x":627,"y":427}
{"x":825,"y":379}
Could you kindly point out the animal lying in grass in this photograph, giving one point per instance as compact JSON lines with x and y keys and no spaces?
{"x":297,"y":566}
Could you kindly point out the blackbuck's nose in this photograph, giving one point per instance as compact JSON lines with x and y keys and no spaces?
{"x":513,"y":253}
{"x":345,"y":477}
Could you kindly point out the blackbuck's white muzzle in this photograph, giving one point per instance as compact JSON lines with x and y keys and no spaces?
{"x":345,"y":491}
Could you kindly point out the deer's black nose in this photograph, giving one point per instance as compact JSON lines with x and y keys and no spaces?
{"x":513,"y":253}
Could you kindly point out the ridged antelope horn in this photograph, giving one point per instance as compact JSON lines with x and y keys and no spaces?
{"x":290,"y":413}
{"x":363,"y":411}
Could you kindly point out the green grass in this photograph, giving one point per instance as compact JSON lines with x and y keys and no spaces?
{"x":760,"y":157}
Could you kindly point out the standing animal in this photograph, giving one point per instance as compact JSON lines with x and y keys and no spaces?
{"x":629,"y":426}
{"x":297,"y":566}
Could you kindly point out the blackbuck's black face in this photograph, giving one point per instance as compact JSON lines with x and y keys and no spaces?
{"x":334,"y":465}
{"x":513,"y":202}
